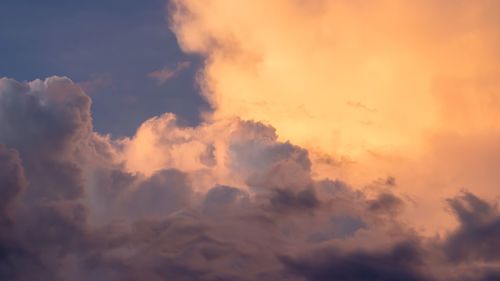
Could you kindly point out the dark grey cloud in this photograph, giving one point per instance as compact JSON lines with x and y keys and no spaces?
{"x":220,"y":199}
{"x":478,"y":236}
{"x":12,"y":181}
{"x":386,"y":203}
{"x":284,"y":200}
{"x":492,"y":276}
{"x":164,"y":192}
{"x":49,"y":123}
{"x":400,"y":263}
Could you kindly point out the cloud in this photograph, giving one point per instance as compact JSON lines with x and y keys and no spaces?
{"x":478,"y":236}
{"x":309,"y":69}
{"x":282,"y":181}
{"x":226,"y":200}
{"x":96,"y":82}
{"x":286,"y":200}
{"x":396,"y":264}
{"x":220,"y":199}
{"x":386,"y":203}
{"x":49,"y":123}
{"x":162,"y":193}
{"x":377,"y":88}
{"x":12,"y":181}
{"x":163,"y":75}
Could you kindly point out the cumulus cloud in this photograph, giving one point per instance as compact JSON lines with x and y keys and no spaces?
{"x":12,"y":181}
{"x":340,"y":128}
{"x":309,"y":68}
{"x":226,"y":200}
{"x":49,"y":123}
{"x":369,"y":89}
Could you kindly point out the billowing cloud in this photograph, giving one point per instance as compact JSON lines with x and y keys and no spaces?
{"x":305,"y":68}
{"x":343,"y":138}
{"x":377,"y":89}
{"x":49,"y":123}
{"x":224,"y":200}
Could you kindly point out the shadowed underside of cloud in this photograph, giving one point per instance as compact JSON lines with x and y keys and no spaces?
{"x":12,"y":181}
{"x":478,"y":237}
{"x":223,"y":201}
{"x":396,"y":264}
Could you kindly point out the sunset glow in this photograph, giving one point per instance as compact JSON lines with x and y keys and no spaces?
{"x":210,"y":140}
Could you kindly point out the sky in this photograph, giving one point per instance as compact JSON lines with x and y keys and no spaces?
{"x":108,"y":46}
{"x":212,"y":140}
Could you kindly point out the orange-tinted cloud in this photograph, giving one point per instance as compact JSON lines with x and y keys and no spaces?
{"x":386,"y":88}
{"x":163,"y":75}
{"x":342,"y":136}
{"x":419,"y":65}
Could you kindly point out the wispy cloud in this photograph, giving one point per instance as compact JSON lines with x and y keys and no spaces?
{"x":163,"y":75}
{"x":96,"y":82}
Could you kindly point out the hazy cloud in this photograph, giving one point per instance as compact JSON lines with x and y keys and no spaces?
{"x":163,"y":75}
